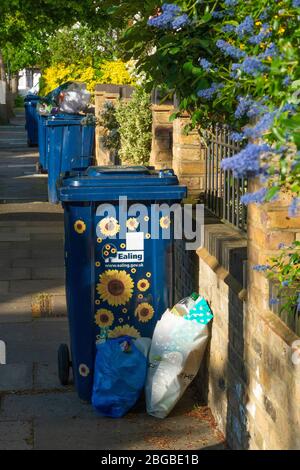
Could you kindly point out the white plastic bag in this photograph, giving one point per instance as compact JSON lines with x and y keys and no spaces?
{"x":176,"y":352}
{"x":75,"y":99}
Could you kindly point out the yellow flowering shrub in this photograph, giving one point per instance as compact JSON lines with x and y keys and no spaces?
{"x":114,"y":72}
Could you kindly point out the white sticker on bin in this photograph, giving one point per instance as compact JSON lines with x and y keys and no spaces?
{"x":135,"y":241}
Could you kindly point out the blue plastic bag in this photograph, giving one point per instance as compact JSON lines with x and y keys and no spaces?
{"x":119,"y":376}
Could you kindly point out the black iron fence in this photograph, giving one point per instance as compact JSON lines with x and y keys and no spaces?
{"x":223,"y":191}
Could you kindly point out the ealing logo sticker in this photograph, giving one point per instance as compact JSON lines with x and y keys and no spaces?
{"x":128,"y":257}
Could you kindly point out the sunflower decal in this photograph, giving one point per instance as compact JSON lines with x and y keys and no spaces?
{"x":165,"y":222}
{"x":79,"y":227}
{"x":104,"y":318}
{"x":143,"y":285}
{"x":125,"y":330}
{"x":115,"y":287}
{"x":132,"y":224}
{"x":83,"y":370}
{"x":109,"y":226}
{"x":144,"y":312}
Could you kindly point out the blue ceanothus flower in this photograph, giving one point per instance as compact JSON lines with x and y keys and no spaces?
{"x":271,"y":51}
{"x":237,"y":136}
{"x":208,"y":93}
{"x":229,"y":50}
{"x":264,"y":33}
{"x":180,"y":21}
{"x":257,"y":197}
{"x":256,"y":109}
{"x":261,"y":267}
{"x":246,"y":27}
{"x":287,"y":81}
{"x":205,"y":64}
{"x":228,"y":28}
{"x":296,"y":3}
{"x":244,"y":103}
{"x":250,"y":66}
{"x":170,"y":18}
{"x":298,"y":303}
{"x":231,"y":3}
{"x":263,"y":125}
{"x":294,"y":207}
{"x":248,"y":107}
{"x":247,"y":161}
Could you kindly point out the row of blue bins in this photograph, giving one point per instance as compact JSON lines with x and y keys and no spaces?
{"x":120,"y":276}
{"x":64,"y":143}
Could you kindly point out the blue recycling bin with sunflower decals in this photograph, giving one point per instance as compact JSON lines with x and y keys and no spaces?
{"x":119,"y":258}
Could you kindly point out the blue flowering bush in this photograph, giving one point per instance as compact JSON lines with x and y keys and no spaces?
{"x":284,"y":270}
{"x":233,"y":62}
{"x":236,"y":62}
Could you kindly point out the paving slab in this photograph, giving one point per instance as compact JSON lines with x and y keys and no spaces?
{"x":44,"y":406}
{"x":45,"y":377}
{"x":15,"y":274}
{"x":48,"y":273}
{"x":132,"y":432}
{"x":14,"y":310}
{"x":36,"y":341}
{"x":51,"y":286}
{"x":16,"y":435}
{"x":52,"y":262}
{"x":16,"y":377}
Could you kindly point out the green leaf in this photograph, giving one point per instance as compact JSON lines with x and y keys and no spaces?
{"x":272,"y":192}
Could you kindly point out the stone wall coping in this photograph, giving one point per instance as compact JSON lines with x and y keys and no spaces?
{"x":162,"y":107}
{"x":279,"y":327}
{"x":222,"y":273}
{"x":228,"y":246}
{"x":223,"y":232}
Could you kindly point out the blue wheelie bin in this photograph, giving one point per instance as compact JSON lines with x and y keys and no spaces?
{"x":119,"y":273}
{"x":42,"y":139}
{"x":43,"y":136}
{"x":67,"y":145}
{"x":31,"y":117}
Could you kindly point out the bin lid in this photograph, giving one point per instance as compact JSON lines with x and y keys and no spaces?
{"x":107,"y":183}
{"x":62,"y":119}
{"x":31,"y":97}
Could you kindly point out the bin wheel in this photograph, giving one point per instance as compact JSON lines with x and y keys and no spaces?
{"x":64,"y":364}
{"x":31,"y":144}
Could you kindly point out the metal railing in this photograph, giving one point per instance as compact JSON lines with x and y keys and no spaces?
{"x":223,"y":191}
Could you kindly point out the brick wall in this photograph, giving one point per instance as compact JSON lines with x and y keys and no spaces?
{"x":253,"y":385}
{"x":188,"y":158}
{"x":162,"y":136}
{"x":105,"y":93}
